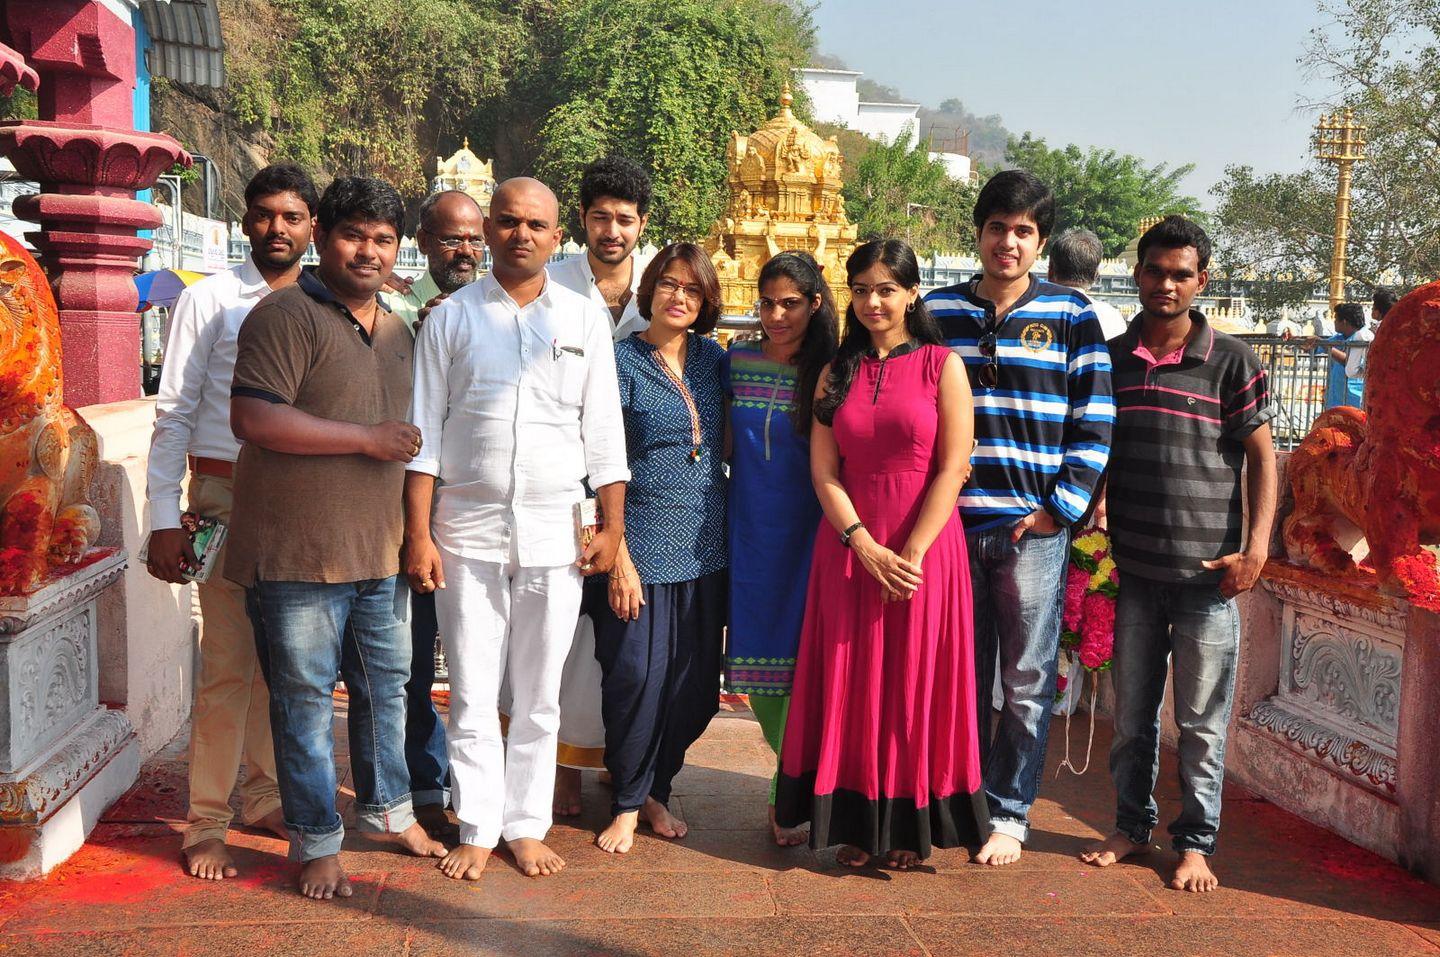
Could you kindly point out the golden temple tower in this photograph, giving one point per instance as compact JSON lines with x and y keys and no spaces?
{"x":468,"y":172}
{"x":784,"y":194}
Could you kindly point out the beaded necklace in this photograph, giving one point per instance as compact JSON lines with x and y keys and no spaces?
{"x":696,"y":436}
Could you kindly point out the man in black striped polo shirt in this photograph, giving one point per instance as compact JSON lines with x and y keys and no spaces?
{"x":1192,"y":410}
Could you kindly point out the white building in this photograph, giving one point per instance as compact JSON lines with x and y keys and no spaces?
{"x":835,"y":100}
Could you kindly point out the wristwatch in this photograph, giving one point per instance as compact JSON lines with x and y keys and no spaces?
{"x":846,"y":535}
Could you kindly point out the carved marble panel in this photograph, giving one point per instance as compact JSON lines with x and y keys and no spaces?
{"x":1338,"y":697}
{"x":49,"y":672}
{"x":51,"y":681}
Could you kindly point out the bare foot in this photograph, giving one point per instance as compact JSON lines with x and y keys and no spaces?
{"x":661,"y":821}
{"x":787,"y":836}
{"x":567,"y":792}
{"x":1112,"y":850}
{"x":323,"y":878}
{"x":413,"y":840}
{"x":465,"y":863}
{"x":1193,"y":874}
{"x":534,"y":858}
{"x":999,"y":850}
{"x":274,"y":822}
{"x":619,"y":837}
{"x":210,"y":860}
{"x":902,"y":860}
{"x":852,"y":856}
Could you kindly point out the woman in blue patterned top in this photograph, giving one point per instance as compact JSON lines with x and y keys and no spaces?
{"x":773,"y":509}
{"x":660,"y":642}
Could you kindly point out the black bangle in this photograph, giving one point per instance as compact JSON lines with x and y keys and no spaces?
{"x":846,"y":535}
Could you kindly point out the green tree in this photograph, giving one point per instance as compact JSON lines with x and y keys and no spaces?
{"x":1383,"y":56}
{"x":897,"y":190}
{"x":666,"y":82}
{"x":1103,"y":190}
{"x":369,"y":86}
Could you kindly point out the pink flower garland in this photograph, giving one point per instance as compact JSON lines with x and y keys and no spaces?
{"x":1075,"y":585}
{"x":1097,"y":630}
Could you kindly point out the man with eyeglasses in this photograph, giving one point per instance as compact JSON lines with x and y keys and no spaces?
{"x":449,"y":235}
{"x":1040,"y":374}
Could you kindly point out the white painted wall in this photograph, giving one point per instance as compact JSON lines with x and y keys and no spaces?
{"x":832,"y":95}
{"x":886,"y":121}
{"x":957,"y":164}
{"x":148,"y":629}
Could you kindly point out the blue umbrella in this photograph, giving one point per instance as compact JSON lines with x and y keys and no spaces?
{"x":163,"y":286}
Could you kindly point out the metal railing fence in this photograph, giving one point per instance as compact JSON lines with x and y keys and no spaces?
{"x":1297,"y":374}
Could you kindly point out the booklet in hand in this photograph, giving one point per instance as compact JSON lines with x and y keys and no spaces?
{"x":207,"y":535}
{"x":588,"y":520}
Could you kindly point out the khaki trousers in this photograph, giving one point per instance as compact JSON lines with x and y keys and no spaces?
{"x":230,"y":720}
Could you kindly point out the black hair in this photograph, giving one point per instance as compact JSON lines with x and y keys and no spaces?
{"x":1175,"y":232}
{"x":1014,"y":191}
{"x":896,"y":256}
{"x":1075,"y":257}
{"x":362,"y":198}
{"x":618,"y":177}
{"x":1351,"y":313}
{"x":283,"y":178}
{"x":1384,"y":300}
{"x":818,"y":346}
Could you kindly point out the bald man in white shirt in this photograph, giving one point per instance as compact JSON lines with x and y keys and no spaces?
{"x":517,"y":402}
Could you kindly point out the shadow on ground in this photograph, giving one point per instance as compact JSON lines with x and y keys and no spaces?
{"x":728,"y":890}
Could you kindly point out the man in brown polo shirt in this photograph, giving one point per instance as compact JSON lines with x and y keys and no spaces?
{"x":321,"y":389}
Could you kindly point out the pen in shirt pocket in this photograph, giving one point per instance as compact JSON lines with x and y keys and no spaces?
{"x":556,"y":350}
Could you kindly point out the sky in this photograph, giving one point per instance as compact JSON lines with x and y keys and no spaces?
{"x":1214,"y":83}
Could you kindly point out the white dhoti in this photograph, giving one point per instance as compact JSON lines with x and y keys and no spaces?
{"x":504,"y":624}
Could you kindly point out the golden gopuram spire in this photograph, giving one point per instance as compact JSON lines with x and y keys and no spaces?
{"x":466,"y":171}
{"x":784,"y":194}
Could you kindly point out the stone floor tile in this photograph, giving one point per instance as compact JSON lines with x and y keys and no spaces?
{"x":1428,"y":931}
{"x":141,"y":884}
{"x":726,"y":812}
{"x":746,"y":937}
{"x":1171,"y":936}
{"x":350,"y":940}
{"x":980,"y":891}
{"x":700,"y":850}
{"x":503,"y":892}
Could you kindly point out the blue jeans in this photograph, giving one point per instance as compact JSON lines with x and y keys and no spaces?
{"x":306,"y":632}
{"x":1019,"y":596}
{"x":424,"y":731}
{"x":1200,"y":629}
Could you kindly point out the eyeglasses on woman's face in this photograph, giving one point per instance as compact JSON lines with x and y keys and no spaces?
{"x":675,"y":289}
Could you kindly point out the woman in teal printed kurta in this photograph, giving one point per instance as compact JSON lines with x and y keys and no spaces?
{"x":773,"y":509}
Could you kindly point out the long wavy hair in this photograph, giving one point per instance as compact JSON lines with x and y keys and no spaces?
{"x":821,"y":335}
{"x":897,"y":257}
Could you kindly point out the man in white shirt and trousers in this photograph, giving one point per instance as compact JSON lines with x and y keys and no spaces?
{"x":614,"y":209}
{"x":230,"y":719}
{"x":517,"y":402}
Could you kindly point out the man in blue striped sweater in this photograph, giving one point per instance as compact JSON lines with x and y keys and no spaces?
{"x":1040,"y":374}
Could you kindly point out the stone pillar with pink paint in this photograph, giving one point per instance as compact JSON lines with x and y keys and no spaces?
{"x":89,"y":162}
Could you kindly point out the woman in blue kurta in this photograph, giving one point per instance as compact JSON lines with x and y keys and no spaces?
{"x":659,"y":643}
{"x":773,"y":508}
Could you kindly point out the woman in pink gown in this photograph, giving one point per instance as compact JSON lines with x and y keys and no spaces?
{"x":881,"y":752}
